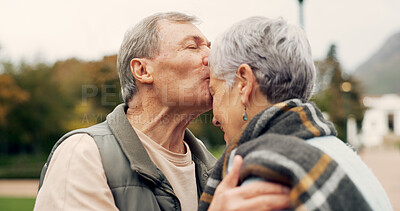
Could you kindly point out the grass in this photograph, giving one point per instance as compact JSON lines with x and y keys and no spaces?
{"x":16,"y":204}
{"x":21,"y":166}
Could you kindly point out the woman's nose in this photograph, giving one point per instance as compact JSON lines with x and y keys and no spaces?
{"x":215,"y":122}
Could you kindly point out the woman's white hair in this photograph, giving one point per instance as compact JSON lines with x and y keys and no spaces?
{"x":278,"y":53}
{"x":142,"y":41}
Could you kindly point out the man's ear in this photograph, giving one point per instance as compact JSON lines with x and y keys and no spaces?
{"x":140,"y":71}
{"x":246,"y":83}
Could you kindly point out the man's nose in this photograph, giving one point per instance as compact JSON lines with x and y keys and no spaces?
{"x":206,"y":53}
{"x":205,"y":61}
{"x":215,"y":122}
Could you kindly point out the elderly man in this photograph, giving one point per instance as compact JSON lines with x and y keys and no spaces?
{"x":143,"y":157}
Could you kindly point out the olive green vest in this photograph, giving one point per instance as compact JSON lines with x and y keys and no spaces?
{"x":135,"y":181}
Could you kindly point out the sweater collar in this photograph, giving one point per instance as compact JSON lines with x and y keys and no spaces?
{"x":135,"y":152}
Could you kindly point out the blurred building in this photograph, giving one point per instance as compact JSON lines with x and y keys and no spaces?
{"x":381,"y":119}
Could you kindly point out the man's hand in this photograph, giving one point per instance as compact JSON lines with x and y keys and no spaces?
{"x":253,"y":196}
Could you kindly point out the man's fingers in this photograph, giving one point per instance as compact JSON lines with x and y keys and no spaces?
{"x":265,"y":202}
{"x":261,"y":188}
{"x":232,"y":178}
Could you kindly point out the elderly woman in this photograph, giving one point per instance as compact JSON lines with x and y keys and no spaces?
{"x":262,"y":77}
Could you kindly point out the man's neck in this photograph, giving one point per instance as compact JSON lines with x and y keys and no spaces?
{"x":163,"y":124}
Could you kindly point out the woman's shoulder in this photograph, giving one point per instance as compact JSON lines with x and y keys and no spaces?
{"x":355,"y":168}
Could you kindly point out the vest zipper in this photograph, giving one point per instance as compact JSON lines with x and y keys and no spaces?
{"x":161,"y":187}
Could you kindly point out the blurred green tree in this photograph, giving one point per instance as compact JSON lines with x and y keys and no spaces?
{"x":11,"y":95}
{"x":41,"y":102}
{"x":338,"y":94}
{"x":33,"y":125}
{"x":203,"y":129}
{"x":94,"y":87}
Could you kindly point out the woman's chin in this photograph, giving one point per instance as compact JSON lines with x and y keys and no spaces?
{"x":226,"y":139}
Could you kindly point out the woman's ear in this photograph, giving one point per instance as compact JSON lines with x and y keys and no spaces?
{"x":140,"y":71}
{"x":246,"y":84}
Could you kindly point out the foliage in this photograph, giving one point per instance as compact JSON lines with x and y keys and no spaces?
{"x":22,"y":166}
{"x":203,"y":128}
{"x":338,"y":94}
{"x":94,"y":86}
{"x":40,"y":102}
{"x":16,"y":204}
{"x":32,"y":124}
{"x":10,"y":96}
{"x":217,"y":151}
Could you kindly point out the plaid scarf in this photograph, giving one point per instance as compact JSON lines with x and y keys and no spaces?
{"x":273,"y":148}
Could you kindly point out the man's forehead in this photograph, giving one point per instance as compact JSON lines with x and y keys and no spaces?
{"x":180,"y":30}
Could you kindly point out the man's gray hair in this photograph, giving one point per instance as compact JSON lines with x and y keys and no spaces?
{"x":279,"y":54}
{"x":142,"y":41}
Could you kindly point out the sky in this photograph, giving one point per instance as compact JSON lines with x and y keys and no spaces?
{"x":51,"y":30}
